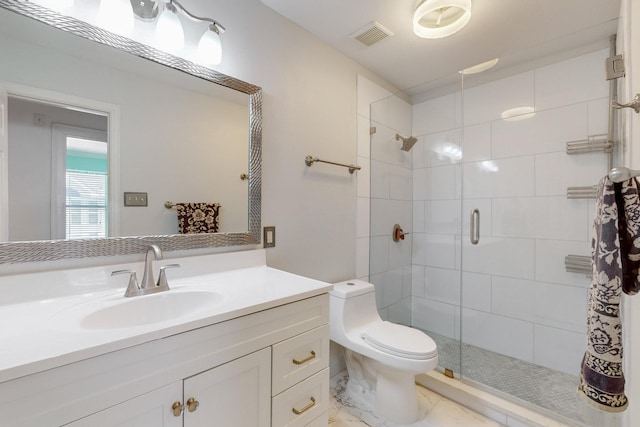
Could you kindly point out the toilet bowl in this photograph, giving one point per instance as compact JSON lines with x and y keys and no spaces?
{"x":382,"y":358}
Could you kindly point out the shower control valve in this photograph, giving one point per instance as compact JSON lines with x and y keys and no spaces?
{"x":398,"y":234}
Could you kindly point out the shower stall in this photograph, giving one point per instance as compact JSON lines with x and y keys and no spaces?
{"x":484,"y":197}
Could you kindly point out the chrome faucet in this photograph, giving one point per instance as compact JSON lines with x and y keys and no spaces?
{"x":147,"y":278}
{"x":148,"y":285}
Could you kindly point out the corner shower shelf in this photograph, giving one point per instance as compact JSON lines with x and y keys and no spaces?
{"x":592,"y":144}
{"x":590,"y":192}
{"x":578,"y":264}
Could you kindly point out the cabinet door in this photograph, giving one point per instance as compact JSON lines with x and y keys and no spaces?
{"x":235,"y":394}
{"x":151,"y":409}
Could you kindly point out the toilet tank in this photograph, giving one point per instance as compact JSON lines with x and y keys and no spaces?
{"x":352,"y":305}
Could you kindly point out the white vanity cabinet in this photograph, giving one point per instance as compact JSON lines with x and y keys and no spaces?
{"x":234,"y":394}
{"x":234,"y":371}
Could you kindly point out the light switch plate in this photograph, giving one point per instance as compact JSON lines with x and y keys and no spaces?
{"x":269,"y":237}
{"x":135,"y":199}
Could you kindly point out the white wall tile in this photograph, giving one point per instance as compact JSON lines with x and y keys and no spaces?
{"x":558,"y":349}
{"x":385,"y":147}
{"x":500,"y":256}
{"x":417,"y":280}
{"x":379,"y":180}
{"x":442,"y":216}
{"x":514,"y":217}
{"x":487,"y":102}
{"x":513,"y":177}
{"x":477,"y":142}
{"x":435,"y":115}
{"x":400,"y":312}
{"x":368,"y":92}
{"x":476,"y":291}
{"x":561,"y":306}
{"x":379,"y":255}
{"x":379,"y":111}
{"x":513,"y":298}
{"x":547,"y":131}
{"x":440,"y":251}
{"x":503,"y":335}
{"x":386,"y":213}
{"x":419,"y":249}
{"x":433,"y":316}
{"x":598,"y":116}
{"x":550,"y":261}
{"x":437,"y":183}
{"x":400,"y":183}
{"x":442,"y":148}
{"x":557,"y":171}
{"x":561,"y":218}
{"x":400,"y":252}
{"x":574,"y":80}
{"x":418,"y":216}
{"x":442,"y":285}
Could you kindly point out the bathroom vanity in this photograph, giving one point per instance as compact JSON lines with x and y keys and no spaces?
{"x":233,"y":342}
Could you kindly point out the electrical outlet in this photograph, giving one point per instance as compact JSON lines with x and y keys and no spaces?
{"x":135,"y":199}
{"x":269,"y":237}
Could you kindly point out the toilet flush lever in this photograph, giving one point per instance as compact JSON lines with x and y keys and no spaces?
{"x":398,"y":234}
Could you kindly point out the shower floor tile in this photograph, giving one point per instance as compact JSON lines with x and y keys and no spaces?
{"x":436,"y":411}
{"x":550,"y":390}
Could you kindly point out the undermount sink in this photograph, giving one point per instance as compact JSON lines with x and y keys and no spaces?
{"x":142,"y":310}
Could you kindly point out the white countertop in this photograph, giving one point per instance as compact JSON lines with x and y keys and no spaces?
{"x":43,"y":333}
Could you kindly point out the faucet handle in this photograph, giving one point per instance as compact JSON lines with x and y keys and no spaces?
{"x":133,"y":288}
{"x":163,"y":284}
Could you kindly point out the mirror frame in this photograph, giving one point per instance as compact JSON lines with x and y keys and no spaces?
{"x":54,"y":250}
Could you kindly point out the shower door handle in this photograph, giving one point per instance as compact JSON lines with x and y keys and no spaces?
{"x":474,"y":234}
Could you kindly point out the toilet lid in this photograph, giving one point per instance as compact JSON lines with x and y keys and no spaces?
{"x":400,"y":340}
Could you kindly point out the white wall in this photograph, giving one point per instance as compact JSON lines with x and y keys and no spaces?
{"x":517,"y":299}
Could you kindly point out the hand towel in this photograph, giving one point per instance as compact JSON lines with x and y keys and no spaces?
{"x":198,"y":217}
{"x":616,"y":258}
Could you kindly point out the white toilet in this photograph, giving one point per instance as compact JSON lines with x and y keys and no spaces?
{"x":382,"y":358}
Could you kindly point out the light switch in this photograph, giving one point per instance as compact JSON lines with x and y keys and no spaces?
{"x":269,"y":237}
{"x":135,"y":199}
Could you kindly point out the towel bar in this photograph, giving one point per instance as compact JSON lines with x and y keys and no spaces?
{"x":309,"y":160}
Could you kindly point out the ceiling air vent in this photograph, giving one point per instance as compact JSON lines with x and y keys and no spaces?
{"x":371,"y":33}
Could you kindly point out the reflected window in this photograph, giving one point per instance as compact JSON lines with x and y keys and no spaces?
{"x":86,"y":205}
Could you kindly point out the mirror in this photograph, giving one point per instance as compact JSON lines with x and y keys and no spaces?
{"x":148,"y":157}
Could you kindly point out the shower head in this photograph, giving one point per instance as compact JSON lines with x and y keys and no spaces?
{"x":407,"y":142}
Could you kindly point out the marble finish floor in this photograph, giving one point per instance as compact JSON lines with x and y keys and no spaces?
{"x":436,"y":411}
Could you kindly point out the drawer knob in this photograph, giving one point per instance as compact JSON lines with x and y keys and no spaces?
{"x":306,"y":408}
{"x":192,"y":404}
{"x":306,"y":359}
{"x":176,"y":409}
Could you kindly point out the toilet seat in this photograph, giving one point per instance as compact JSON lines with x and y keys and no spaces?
{"x":399,"y":340}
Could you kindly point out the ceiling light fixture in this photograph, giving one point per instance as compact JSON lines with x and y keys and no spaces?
{"x":478,"y":68}
{"x":518,"y":113}
{"x":434,"y":19}
{"x":170,"y":34}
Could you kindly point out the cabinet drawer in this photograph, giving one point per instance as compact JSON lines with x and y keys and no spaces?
{"x":299,"y":357}
{"x":302,"y":403}
{"x":321,"y":421}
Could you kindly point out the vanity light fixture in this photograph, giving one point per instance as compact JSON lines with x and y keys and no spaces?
{"x":116,"y":16}
{"x":170,"y":33}
{"x":434,"y":19}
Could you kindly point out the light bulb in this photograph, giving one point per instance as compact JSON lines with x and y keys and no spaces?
{"x":209,"y":49}
{"x":116,"y":16}
{"x":169,"y":31}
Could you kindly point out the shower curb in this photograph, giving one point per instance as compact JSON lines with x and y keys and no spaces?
{"x":491,"y":406}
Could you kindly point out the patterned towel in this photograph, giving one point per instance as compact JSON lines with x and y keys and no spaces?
{"x":198,"y":217}
{"x":616,"y":259}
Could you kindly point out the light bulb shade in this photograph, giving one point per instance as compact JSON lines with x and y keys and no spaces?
{"x":209,"y":49}
{"x":116,"y":16}
{"x":435,"y":19}
{"x":169,"y":31}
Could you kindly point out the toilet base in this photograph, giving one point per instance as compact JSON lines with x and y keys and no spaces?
{"x":387,"y":392}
